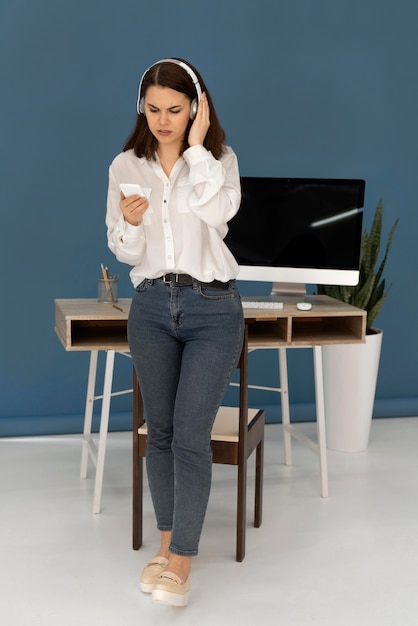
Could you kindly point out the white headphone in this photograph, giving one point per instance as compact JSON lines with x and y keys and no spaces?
{"x":140,"y":104}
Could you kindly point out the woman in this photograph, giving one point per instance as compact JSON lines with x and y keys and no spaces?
{"x":185,"y":325}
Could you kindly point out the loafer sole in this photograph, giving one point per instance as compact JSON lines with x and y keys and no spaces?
{"x":170,"y":590}
{"x":168,"y":597}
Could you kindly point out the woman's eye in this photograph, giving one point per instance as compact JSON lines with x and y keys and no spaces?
{"x":172,"y":111}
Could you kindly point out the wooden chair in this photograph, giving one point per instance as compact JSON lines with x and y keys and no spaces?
{"x":237,"y":432}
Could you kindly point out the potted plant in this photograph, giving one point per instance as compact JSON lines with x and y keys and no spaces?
{"x":350,"y":371}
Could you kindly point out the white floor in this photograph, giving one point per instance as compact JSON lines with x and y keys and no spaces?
{"x":348,"y":560}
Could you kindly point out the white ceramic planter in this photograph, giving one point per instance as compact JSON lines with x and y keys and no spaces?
{"x":350,"y":377}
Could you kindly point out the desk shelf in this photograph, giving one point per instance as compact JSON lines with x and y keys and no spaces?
{"x":89,"y":325}
{"x":327,"y":330}
{"x":328,"y":322}
{"x":264,"y":332}
{"x":98,"y":335}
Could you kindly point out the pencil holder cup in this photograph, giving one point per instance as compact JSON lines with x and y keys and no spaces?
{"x":108,"y":289}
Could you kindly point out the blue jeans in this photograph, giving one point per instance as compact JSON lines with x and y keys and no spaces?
{"x":185,"y":343}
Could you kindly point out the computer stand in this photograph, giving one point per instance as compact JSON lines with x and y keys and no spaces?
{"x":289,"y":289}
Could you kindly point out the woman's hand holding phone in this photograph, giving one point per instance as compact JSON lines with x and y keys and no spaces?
{"x":133,"y":203}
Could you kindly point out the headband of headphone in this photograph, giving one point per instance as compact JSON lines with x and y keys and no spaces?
{"x":140,"y":105}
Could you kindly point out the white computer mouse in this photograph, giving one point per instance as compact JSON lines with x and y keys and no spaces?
{"x":304,"y":306}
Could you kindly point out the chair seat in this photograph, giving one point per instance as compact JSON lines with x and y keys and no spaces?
{"x":225,"y":427}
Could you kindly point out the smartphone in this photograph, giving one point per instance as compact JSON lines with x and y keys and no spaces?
{"x":131,"y":189}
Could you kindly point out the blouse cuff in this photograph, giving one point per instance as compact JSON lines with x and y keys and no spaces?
{"x":127,"y":232}
{"x":195,"y":154}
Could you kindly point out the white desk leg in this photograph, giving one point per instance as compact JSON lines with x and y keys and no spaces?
{"x":284,"y":398}
{"x":320,"y":419}
{"x":104,"y":423}
{"x":88,"y":415}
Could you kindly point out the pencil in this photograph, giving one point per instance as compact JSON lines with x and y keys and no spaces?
{"x":105,"y":273}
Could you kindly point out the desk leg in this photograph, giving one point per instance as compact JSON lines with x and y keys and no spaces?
{"x":88,"y":415}
{"x":320,"y":419}
{"x":284,"y":398}
{"x":104,"y":423}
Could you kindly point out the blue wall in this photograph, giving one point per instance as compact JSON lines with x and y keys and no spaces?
{"x":303,"y":88}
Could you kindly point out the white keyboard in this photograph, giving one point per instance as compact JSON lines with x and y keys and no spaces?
{"x":262,"y":305}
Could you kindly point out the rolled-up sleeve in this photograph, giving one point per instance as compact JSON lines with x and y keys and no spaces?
{"x":216,"y":194}
{"x":124,"y":240}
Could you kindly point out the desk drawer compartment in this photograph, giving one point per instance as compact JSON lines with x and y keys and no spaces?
{"x":266,"y":332}
{"x":98,"y":333}
{"x":326,"y":330}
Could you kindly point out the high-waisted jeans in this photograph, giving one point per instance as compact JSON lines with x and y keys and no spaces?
{"x":185,"y":343}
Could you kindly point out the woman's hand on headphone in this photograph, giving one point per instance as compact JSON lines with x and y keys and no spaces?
{"x":133,"y":208}
{"x":201,"y":123}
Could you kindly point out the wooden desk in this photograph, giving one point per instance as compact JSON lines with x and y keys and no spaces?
{"x":85,"y":324}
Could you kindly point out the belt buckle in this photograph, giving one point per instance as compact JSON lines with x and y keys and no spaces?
{"x":171,"y":274}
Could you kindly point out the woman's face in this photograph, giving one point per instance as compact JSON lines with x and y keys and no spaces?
{"x":168,"y":113}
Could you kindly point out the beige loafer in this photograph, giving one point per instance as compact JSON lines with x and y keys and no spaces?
{"x":151,"y":572}
{"x":169,"y":589}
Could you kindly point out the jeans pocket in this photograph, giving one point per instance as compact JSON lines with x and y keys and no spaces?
{"x":143,"y":285}
{"x":216,"y":293}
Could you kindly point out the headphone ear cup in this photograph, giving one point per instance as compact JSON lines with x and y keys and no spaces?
{"x":141,"y":108}
{"x":193,"y":109}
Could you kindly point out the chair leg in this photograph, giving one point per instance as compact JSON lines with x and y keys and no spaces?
{"x":137,"y":468}
{"x":137,"y":506}
{"x":241,"y":510}
{"x":258,"y":505}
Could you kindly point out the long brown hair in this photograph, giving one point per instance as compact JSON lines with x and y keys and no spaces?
{"x":168,"y":74}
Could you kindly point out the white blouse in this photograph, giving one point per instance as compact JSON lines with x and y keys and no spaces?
{"x":184,"y":226}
